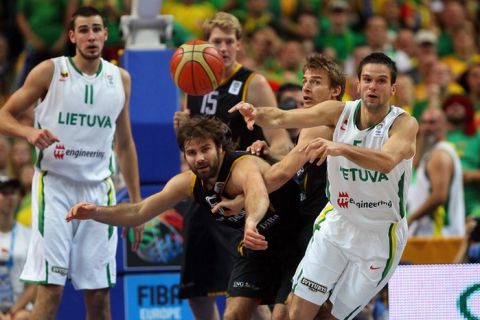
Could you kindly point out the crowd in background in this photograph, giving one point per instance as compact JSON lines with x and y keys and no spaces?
{"x":434,"y":43}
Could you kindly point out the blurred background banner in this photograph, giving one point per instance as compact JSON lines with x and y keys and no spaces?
{"x":154,"y":296}
{"x":433,"y":292}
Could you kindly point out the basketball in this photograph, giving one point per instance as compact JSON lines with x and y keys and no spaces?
{"x":196,"y":67}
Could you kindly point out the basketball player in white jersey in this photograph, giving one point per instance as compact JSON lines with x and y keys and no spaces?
{"x":82,"y":108}
{"x":360,"y":235}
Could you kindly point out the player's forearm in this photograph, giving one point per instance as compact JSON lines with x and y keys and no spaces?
{"x":9,"y":126}
{"x":368,"y":158}
{"x":427,"y":208}
{"x":270,"y":117}
{"x":256,"y":203}
{"x":124,"y":215}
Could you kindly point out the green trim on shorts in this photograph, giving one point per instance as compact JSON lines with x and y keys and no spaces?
{"x":294,"y":286}
{"x":41,"y":203}
{"x":109,"y":277}
{"x":352,"y":312}
{"x":39,"y":154}
{"x":41,"y":281}
{"x":110,"y":193}
{"x":401,"y":187}
{"x":392,"y":240}
{"x":321,"y":217}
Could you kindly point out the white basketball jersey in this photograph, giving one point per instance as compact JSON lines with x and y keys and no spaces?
{"x":367,"y":197}
{"x":82,"y":111}
{"x":449,"y":218}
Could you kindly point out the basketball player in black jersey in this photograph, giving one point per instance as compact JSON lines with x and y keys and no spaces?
{"x":266,"y":257}
{"x":203,"y":257}
{"x":322,"y":80}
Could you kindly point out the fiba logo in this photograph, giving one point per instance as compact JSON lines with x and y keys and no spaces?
{"x":59,"y":152}
{"x":162,"y":239}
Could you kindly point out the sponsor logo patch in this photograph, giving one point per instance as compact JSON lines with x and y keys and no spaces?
{"x":60,"y":270}
{"x":344,"y":201}
{"x":313,"y":286}
{"x":235,"y":87}
{"x":60,"y":152}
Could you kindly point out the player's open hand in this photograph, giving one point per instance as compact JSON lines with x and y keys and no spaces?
{"x":82,"y":211}
{"x":248,"y":111}
{"x":41,"y":138}
{"x":259,"y":148}
{"x":252,"y":239}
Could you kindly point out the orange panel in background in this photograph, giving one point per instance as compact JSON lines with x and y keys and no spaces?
{"x":429,"y":250}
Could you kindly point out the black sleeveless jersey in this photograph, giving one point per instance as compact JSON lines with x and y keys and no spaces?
{"x":283,"y":210}
{"x":218,"y":102}
{"x":312,"y":180}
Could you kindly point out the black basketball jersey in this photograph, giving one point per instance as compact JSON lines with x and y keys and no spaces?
{"x":217,"y":103}
{"x":312,"y":180}
{"x":283,"y":210}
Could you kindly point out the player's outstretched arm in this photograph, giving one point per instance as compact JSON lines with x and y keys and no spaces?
{"x":399,"y":146}
{"x":279,"y":173}
{"x":133,"y":214}
{"x":35,"y":87}
{"x":247,"y":178}
{"x":260,"y":94}
{"x":325,"y":113}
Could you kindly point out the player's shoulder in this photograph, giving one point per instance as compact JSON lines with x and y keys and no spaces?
{"x":405,"y":122}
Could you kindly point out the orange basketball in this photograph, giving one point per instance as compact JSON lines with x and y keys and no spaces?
{"x":196,"y":67}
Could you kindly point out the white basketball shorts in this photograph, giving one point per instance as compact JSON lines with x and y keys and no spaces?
{"x":346,"y":263}
{"x":83,"y":251}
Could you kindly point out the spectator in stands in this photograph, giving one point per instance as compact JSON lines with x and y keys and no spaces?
{"x":438,"y":85}
{"x":338,"y":34}
{"x":4,"y":155}
{"x":466,"y":139}
{"x":435,"y":200}
{"x":15,"y":296}
{"x":471,"y":82}
{"x":469,"y":251}
{"x":262,"y":49}
{"x":189,"y":14}
{"x":452,"y":17}
{"x":378,"y":41}
{"x":43,"y":27}
{"x":465,"y":50}
{"x":290,"y":96}
{"x":425,"y":55}
{"x":21,"y":154}
{"x":24,"y":211}
{"x":405,"y":94}
{"x":7,"y":71}
{"x":308,"y":29}
{"x":405,"y":41}
{"x":290,"y":58}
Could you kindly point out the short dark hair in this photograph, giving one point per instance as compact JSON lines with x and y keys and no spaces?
{"x":202,"y":127}
{"x":335,"y":74}
{"x":85,"y":12}
{"x":288,"y":87}
{"x":379,"y":58}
